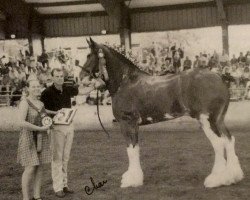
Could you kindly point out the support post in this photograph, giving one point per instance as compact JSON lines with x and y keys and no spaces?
{"x":224,"y":25}
{"x":30,"y":44}
{"x":30,"y":23}
{"x":124,"y":23}
{"x":125,"y":36}
{"x":120,"y":12}
{"x":225,"y":43}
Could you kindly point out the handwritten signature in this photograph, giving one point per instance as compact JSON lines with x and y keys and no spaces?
{"x":90,"y":190}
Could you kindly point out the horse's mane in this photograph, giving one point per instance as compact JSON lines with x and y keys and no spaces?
{"x":124,"y":58}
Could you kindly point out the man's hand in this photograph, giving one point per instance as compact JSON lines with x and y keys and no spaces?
{"x":99,"y":83}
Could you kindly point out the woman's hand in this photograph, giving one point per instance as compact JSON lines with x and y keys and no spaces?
{"x":44,"y":128}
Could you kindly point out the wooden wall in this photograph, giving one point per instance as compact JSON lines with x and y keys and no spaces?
{"x":77,"y":26}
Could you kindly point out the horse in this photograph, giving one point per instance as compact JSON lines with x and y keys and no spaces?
{"x":136,"y":95}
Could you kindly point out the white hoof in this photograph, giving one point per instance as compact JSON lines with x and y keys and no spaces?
{"x":132,"y":179}
{"x":214,"y":180}
{"x":228,"y":177}
{"x":234,"y":174}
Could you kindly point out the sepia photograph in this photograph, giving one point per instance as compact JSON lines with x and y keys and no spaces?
{"x":125,"y":99}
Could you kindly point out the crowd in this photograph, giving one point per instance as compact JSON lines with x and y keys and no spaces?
{"x":155,"y":59}
{"x":15,"y":73}
{"x":235,"y":72}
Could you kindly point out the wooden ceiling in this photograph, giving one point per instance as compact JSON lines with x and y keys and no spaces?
{"x":51,"y":7}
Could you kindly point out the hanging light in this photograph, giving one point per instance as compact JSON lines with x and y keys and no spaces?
{"x":12,"y":36}
{"x":104,"y":32}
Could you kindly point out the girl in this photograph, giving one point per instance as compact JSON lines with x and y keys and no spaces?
{"x":27,"y":156}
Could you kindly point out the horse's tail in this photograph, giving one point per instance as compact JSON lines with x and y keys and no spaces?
{"x":217,"y":116}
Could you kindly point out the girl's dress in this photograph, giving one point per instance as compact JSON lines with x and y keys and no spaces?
{"x":27,"y":154}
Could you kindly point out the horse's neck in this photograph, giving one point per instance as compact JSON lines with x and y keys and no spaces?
{"x":117,"y":69}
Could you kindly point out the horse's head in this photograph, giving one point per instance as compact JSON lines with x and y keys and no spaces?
{"x":91,"y":65}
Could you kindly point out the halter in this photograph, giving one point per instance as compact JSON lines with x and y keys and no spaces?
{"x":103,"y":73}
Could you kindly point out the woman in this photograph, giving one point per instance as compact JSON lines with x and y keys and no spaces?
{"x":28,"y":157}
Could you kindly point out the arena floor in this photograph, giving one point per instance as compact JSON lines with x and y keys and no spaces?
{"x":176,"y":157}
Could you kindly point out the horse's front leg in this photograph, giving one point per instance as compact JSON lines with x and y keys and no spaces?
{"x":133,"y":177}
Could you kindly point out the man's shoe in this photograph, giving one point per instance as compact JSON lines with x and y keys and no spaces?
{"x":60,"y":194}
{"x":67,"y":190}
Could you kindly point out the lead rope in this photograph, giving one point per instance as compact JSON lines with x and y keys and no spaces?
{"x":98,"y":114}
{"x":102,"y":73}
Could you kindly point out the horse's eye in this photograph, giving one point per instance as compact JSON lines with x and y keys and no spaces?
{"x":88,"y":55}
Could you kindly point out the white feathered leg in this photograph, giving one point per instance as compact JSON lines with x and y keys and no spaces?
{"x":234,"y":172}
{"x":217,"y":176}
{"x":134,"y":176}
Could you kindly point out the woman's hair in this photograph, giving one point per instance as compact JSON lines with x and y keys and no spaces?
{"x":29,"y":81}
{"x":57,"y":70}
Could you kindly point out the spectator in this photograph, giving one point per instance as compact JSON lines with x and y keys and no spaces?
{"x":187,"y":63}
{"x":203,"y":62}
{"x":16,"y":93}
{"x":196,"y":62}
{"x":173,"y":50}
{"x":234,"y":60}
{"x":212,"y":63}
{"x":224,"y":59}
{"x":226,"y":77}
{"x":12,"y":74}
{"x":241,"y":59}
{"x":4,"y":70}
{"x":248,"y":58}
{"x":181,"y":53}
{"x":245,"y":76}
{"x":77,"y":70}
{"x":169,"y":55}
{"x":177,"y":62}
{"x":236,"y":75}
{"x":21,"y":74}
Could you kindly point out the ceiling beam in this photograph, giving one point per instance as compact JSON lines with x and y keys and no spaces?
{"x":17,"y":17}
{"x":117,"y":9}
{"x":112,"y":7}
{"x":231,"y":2}
{"x":63,"y":3}
{"x":2,"y":16}
{"x":174,"y":7}
{"x":221,"y":10}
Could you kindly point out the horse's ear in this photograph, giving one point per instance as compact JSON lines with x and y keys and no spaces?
{"x":92,"y":44}
{"x":91,"y":40}
{"x":88,"y":41}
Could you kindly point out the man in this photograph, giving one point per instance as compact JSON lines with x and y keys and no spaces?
{"x":234,"y":60}
{"x":187,"y":64}
{"x":177,"y":62}
{"x":203,"y":62}
{"x":196,"y":62}
{"x":241,"y":59}
{"x":224,"y":59}
{"x":56,"y":97}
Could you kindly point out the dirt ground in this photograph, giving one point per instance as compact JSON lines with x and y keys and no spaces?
{"x":175,"y":164}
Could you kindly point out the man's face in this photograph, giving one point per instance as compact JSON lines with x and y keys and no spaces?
{"x":58,"y":78}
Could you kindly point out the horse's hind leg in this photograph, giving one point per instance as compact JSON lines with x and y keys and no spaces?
{"x":221,"y":140}
{"x":216,"y":178}
{"x":133,"y":177}
{"x":234,"y":172}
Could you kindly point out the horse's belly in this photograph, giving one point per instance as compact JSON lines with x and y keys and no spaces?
{"x":154,"y":113}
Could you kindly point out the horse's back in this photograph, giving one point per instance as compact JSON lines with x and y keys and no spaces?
{"x":204,"y":91}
